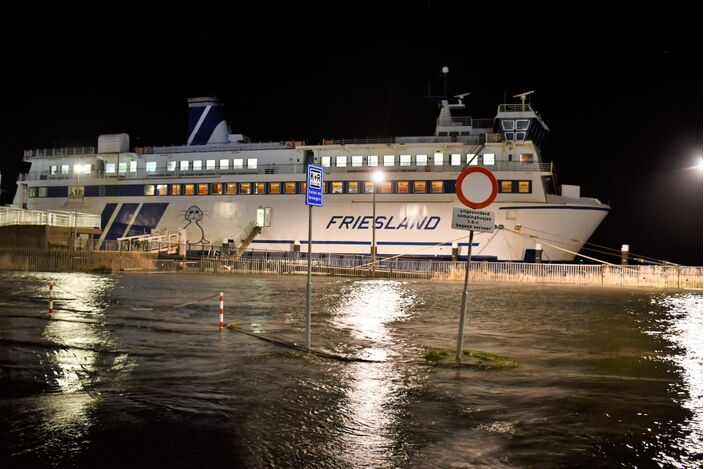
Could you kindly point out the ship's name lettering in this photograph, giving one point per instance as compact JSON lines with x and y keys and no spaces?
{"x":349,"y":222}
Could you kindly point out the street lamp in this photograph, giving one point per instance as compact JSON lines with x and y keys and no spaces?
{"x":378,"y":177}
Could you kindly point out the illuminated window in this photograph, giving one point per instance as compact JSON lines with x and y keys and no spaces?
{"x":369,"y":187}
{"x":524,"y":187}
{"x":420,"y":187}
{"x":488,"y":159}
{"x":325,"y":161}
{"x":162,"y":189}
{"x":290,"y":187}
{"x":65,"y":168}
{"x":251,"y":163}
{"x":455,"y":159}
{"x":202,"y":189}
{"x":183,"y":165}
{"x":133,"y":166}
{"x":336,"y":187}
{"x":224,"y":165}
{"x":260,"y":188}
{"x":357,"y":161}
{"x":151,"y":166}
{"x":386,"y":187}
{"x":216,"y":188}
{"x":472,"y":159}
{"x":231,"y":188}
{"x":149,"y":189}
{"x":506,"y":186}
{"x":189,"y":189}
{"x":245,"y":188}
{"x":403,"y":187}
{"x":43,"y":192}
{"x":389,"y":160}
{"x":353,"y":187}
{"x":341,"y":161}
{"x":437,"y":159}
{"x":274,"y":188}
{"x":303,"y":187}
{"x":373,"y":160}
{"x":404,"y":160}
{"x":238,"y":163}
{"x":526,"y":157}
{"x":197,"y":165}
{"x":421,"y":160}
{"x":171,"y":166}
{"x":54,"y":169}
{"x":109,"y":168}
{"x":122,"y":168}
{"x":32,"y":192}
{"x":209,"y":164}
{"x":437,"y":187}
{"x":175,"y":189}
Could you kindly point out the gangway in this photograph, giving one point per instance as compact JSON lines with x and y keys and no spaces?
{"x":155,"y":243}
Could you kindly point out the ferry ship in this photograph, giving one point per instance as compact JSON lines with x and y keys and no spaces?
{"x":223,"y":193}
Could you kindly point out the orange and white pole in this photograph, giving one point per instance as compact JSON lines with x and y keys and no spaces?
{"x":222,"y":307}
{"x":51,"y":298}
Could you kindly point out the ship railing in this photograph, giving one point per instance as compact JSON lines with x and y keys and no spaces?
{"x":515,"y":108}
{"x":18,"y":216}
{"x":59,"y":152}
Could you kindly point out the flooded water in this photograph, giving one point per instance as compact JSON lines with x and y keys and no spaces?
{"x":124,"y":375}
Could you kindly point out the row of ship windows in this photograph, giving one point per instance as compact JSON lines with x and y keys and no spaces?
{"x":438,"y":159}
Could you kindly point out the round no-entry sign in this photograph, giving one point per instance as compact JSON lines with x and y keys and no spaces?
{"x":476,"y":187}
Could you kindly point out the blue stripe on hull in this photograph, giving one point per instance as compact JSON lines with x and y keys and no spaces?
{"x":147,"y":219}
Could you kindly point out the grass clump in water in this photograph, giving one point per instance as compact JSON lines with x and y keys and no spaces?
{"x":471,"y":358}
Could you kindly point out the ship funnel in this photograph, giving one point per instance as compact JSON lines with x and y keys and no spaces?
{"x":206,"y":121}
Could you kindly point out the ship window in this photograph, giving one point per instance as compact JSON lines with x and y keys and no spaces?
{"x":32,"y":192}
{"x":373,"y":160}
{"x":368,"y":187}
{"x":507,"y":125}
{"x":472,"y":158}
{"x":133,"y":166}
{"x":303,"y":187}
{"x":274,"y":188}
{"x":421,"y":160}
{"x":524,"y":187}
{"x":389,"y":160}
{"x":404,"y":160}
{"x":357,"y":161}
{"x":175,"y":189}
{"x":336,"y":187}
{"x":520,"y":135}
{"x":231,"y":188}
{"x":197,"y":165}
{"x":109,"y":168}
{"x":526,"y":158}
{"x":264,"y":216}
{"x":171,"y":166}
{"x":55,"y":168}
{"x":216,"y":188}
{"x":162,"y":189}
{"x":509,"y":136}
{"x":65,"y":168}
{"x":43,"y":191}
{"x":202,"y":189}
{"x":189,"y":189}
{"x":488,"y":159}
{"x":353,"y":187}
{"x":290,"y":187}
{"x":81,"y":168}
{"x":149,"y":189}
{"x":260,"y":188}
{"x":420,"y":187}
{"x":224,"y":164}
{"x":151,"y":166}
{"x":245,"y":188}
{"x":122,"y":168}
{"x":251,"y":163}
{"x":209,"y":164}
{"x":325,"y":161}
{"x":402,"y":187}
{"x":455,"y":159}
{"x":238,"y":163}
{"x":437,"y":159}
{"x":386,"y":187}
{"x":522,"y":124}
{"x":506,"y":186}
{"x":437,"y":187}
{"x":340,"y":161}
{"x":442,"y":134}
{"x":183,"y":166}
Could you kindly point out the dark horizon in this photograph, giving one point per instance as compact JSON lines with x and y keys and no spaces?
{"x":622,"y":95}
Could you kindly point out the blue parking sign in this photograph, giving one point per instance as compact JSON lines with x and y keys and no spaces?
{"x":314,"y":186}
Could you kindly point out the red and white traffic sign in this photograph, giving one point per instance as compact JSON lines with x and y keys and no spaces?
{"x":476,"y":187}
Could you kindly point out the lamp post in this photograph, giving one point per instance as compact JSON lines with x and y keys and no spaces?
{"x":378,"y":177}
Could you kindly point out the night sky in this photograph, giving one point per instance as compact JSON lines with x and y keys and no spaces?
{"x":620,"y":91}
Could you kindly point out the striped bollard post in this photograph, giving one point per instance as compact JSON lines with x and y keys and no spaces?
{"x":222,"y":307}
{"x":51,"y":298}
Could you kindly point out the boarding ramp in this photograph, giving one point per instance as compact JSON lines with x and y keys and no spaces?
{"x":161,"y":243}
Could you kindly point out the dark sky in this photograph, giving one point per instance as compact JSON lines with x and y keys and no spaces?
{"x":620,"y":91}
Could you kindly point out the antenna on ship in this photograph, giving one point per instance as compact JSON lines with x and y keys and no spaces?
{"x":460,"y":97}
{"x":445,"y":72}
{"x":523,"y":98}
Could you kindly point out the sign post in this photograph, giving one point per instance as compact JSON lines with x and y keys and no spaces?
{"x":314,"y":197}
{"x":476,"y":188}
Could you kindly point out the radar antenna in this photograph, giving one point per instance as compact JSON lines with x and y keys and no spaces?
{"x":460,"y":97}
{"x":523,"y":98}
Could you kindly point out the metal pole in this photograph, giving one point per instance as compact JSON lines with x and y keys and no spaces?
{"x":374,"y":231}
{"x":309,"y":286}
{"x":460,"y":333}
